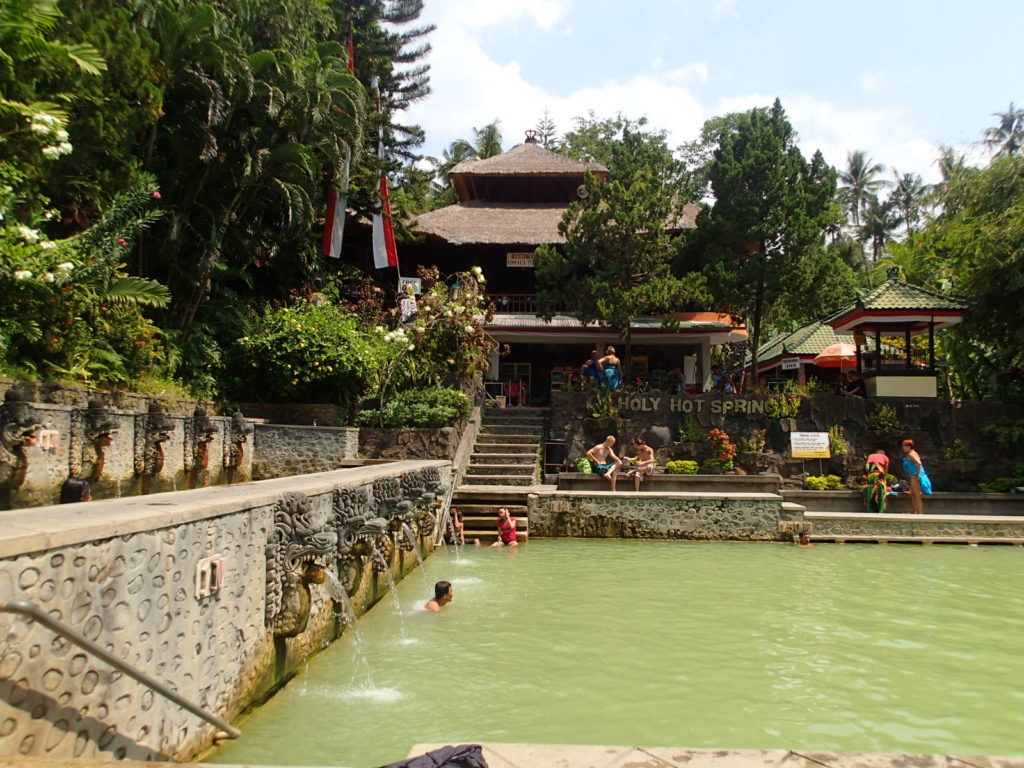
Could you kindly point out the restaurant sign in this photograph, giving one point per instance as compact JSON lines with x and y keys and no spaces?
{"x":519,"y":260}
{"x":791,"y":364}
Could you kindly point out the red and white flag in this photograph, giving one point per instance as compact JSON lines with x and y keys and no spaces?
{"x":385,"y":254}
{"x":334,"y":226}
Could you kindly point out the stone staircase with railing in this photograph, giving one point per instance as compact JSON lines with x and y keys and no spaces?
{"x":507,"y":450}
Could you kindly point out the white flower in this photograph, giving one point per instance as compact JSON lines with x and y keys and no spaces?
{"x":469,"y":329}
{"x":447,"y":313}
{"x":46,"y":119}
{"x":51,"y":152}
{"x":48,"y":277}
{"x":22,"y":274}
{"x":47,"y":245}
{"x":65,"y":266}
{"x":28,"y":234}
{"x":61,"y":135}
{"x":411,"y":347}
{"x":39,"y":127}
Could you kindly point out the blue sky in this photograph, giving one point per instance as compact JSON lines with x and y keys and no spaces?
{"x":896,"y":79}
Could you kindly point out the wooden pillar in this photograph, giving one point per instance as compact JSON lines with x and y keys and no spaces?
{"x":906,"y":337}
{"x":878,"y":348}
{"x":931,"y":345}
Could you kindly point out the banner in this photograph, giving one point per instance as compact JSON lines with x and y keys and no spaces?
{"x":809,"y":445}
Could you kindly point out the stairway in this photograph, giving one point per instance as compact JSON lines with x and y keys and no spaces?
{"x":507,"y":450}
{"x":504,"y":463}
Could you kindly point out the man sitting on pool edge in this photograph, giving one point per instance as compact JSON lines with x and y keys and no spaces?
{"x":442,"y":596}
{"x":607,"y":462}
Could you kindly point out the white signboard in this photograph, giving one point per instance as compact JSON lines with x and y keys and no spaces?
{"x":791,"y":364}
{"x":519,"y":260}
{"x":415,"y":282}
{"x":809,"y":445}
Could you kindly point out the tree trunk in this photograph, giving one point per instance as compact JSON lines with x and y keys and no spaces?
{"x":627,"y":364}
{"x":755,"y":337}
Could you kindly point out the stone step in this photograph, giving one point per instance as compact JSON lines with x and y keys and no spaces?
{"x":885,"y":539}
{"x":524,"y":470}
{"x":486,"y":523}
{"x":490,"y":511}
{"x":511,"y":457}
{"x":508,"y":440}
{"x":486,"y":538}
{"x":533,"y":421}
{"x":512,"y":429}
{"x":497,"y":480}
{"x":520,"y":409}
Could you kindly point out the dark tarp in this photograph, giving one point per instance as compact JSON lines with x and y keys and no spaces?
{"x":461,"y":756}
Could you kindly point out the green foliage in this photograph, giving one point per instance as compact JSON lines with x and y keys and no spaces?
{"x":958,"y":451}
{"x":823,"y":483}
{"x":1010,"y":435}
{"x":681,"y":467}
{"x":312,"y":353}
{"x":782,"y":405}
{"x":882,"y":418}
{"x":616,"y":262}
{"x":1002,"y":485}
{"x":689,"y":431}
{"x":755,"y":442}
{"x":837,"y":440}
{"x":770,"y":212}
{"x":430,"y":407}
{"x":602,"y":404}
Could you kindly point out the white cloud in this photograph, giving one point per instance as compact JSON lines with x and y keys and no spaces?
{"x":474,"y":14}
{"x":724,"y":9}
{"x":872,"y":82}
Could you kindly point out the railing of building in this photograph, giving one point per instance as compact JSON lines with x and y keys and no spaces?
{"x":519,"y":303}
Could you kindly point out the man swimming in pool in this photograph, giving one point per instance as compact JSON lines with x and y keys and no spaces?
{"x":603,"y":454}
{"x":442,"y":596}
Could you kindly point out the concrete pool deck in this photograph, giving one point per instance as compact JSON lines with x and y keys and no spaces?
{"x":500,"y":755}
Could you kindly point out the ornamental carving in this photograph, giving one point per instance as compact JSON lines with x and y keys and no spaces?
{"x":199,"y":433}
{"x":239,"y":431}
{"x":152,"y":430}
{"x":362,"y":534}
{"x":19,"y":428}
{"x":298,"y":547}
{"x":92,"y":432}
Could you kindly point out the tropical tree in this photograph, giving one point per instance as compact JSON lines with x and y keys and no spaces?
{"x":909,"y":193}
{"x":771,"y":209}
{"x":487,"y":140}
{"x":858,"y":185}
{"x":881,"y":219}
{"x":1006,"y":138}
{"x":547,"y":132}
{"x":620,"y":243}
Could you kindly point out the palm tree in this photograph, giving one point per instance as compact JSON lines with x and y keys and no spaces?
{"x":880,"y":221}
{"x":487,"y":140}
{"x":1006,"y":138}
{"x":858,"y":184}
{"x":907,"y":196}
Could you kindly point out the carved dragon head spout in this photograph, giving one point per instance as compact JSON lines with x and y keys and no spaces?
{"x":18,"y":429}
{"x":297,"y":551}
{"x":203,"y":431}
{"x":362,"y":535}
{"x":157,"y":431}
{"x":238,"y":434}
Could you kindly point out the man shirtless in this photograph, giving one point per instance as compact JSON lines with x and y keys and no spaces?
{"x":645,"y":462}
{"x":442,"y":596}
{"x":607,"y":462}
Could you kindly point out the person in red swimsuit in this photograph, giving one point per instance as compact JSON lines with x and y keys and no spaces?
{"x":506,"y":530}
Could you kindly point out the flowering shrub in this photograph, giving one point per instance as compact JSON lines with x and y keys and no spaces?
{"x":681,"y":467}
{"x":603,"y":404}
{"x":782,"y":405}
{"x":882,"y":418}
{"x":823,"y":483}
{"x":723,"y":450}
{"x":689,"y":431}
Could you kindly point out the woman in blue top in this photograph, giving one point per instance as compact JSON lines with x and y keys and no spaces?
{"x":920,"y":483}
{"x":610,"y":366}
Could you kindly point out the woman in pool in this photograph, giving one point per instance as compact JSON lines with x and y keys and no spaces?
{"x":506,"y":530}
{"x":610,"y":367}
{"x":920,"y":483}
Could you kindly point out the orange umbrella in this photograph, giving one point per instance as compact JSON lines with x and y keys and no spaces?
{"x":837,"y":356}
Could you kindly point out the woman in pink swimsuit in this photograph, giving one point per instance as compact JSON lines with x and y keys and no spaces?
{"x":506,"y":530}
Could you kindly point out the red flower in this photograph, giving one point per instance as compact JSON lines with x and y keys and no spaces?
{"x":121,"y":241}
{"x":156,"y":195}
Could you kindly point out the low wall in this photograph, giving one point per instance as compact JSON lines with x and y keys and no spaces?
{"x":281,"y":450}
{"x":309,"y":414}
{"x":630,"y":515}
{"x":131,"y":574}
{"x":79,"y":397}
{"x":937,"y":503}
{"x":871,"y":526}
{"x":658,"y":483}
{"x":410,"y":443}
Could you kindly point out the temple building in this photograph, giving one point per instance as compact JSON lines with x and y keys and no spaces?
{"x":510,"y":204}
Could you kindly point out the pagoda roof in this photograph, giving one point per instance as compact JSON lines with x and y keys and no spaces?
{"x":527,"y":159}
{"x":898,"y":305}
{"x":806,"y":343}
{"x":479,"y":222}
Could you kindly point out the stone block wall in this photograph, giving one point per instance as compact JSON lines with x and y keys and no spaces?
{"x":746,"y":517}
{"x":828,"y":524}
{"x":410,"y":443}
{"x":308,"y":414}
{"x":127,"y":574}
{"x":281,"y":450}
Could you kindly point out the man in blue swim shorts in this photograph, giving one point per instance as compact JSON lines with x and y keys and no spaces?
{"x":603,"y":454}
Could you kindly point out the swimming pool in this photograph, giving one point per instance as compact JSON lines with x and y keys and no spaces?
{"x":726,"y":645}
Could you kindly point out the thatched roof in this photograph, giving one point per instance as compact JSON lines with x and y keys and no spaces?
{"x":493,"y":223}
{"x":529,"y":159}
{"x":478,"y":222}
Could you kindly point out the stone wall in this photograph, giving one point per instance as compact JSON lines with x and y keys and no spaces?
{"x":410,"y":443}
{"x":283,"y":450}
{"x":739,"y":516}
{"x":933,"y":424}
{"x":312,"y":414}
{"x":839,"y":525}
{"x":69,"y":394}
{"x":120,"y":452}
{"x":131,"y":574}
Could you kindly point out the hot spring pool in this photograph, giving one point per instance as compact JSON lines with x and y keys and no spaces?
{"x":726,"y":645}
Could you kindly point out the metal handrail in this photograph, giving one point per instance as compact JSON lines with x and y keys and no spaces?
{"x":33,"y":611}
{"x":443,"y":512}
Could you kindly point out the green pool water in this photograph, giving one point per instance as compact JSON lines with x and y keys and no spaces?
{"x":725,"y":645}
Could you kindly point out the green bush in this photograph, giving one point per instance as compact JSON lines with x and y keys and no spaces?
{"x":782,"y":405}
{"x":681,"y":467}
{"x":689,"y":431}
{"x":429,"y":407}
{"x":882,"y":418}
{"x":1001,"y":485}
{"x":823,"y":483}
{"x":958,"y":451}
